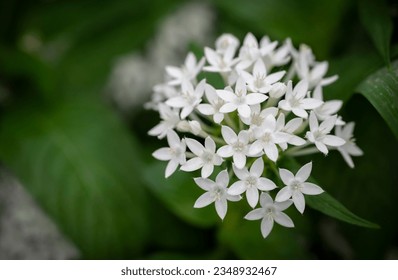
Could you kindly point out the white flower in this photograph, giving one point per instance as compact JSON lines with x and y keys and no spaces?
{"x":296,"y":186}
{"x":175,"y":154}
{"x":240,"y":100}
{"x":192,"y":127}
{"x":206,"y":157}
{"x":226,"y":41}
{"x":220,"y":62}
{"x":258,"y":116}
{"x":187,"y":72}
{"x":267,"y":137}
{"x":237,"y":146}
{"x":296,"y":102}
{"x":212,"y":109}
{"x":251,"y":182}
{"x":215,"y":192}
{"x":278,"y":57}
{"x":349,"y":148}
{"x":189,"y":98}
{"x":328,"y":108}
{"x":259,"y":81}
{"x":319,"y":134}
{"x":269,"y":212}
{"x":291,"y":127}
{"x":170,"y":119}
{"x":250,"y":51}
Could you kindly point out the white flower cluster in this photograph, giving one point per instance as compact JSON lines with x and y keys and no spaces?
{"x":270,"y":104}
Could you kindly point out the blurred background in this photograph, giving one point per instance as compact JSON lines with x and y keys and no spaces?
{"x":77,"y":178}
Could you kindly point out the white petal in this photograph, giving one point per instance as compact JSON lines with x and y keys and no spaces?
{"x":347,"y":158}
{"x":228,"y":134}
{"x":242,"y":174}
{"x":252,"y":196}
{"x":281,"y":206}
{"x":353,"y":149}
{"x":275,"y":77}
{"x":300,"y":112}
{"x":225,"y":151}
{"x":226,"y":95}
{"x":171,"y":168}
{"x":266,"y":200}
{"x":322,"y":147}
{"x":204,"y":200}
{"x":243,"y":110}
{"x":256,"y":148}
{"x":173,"y":139}
{"x":257,"y":168}
{"x":255,"y":214}
{"x":259,"y":68}
{"x":239,"y":160}
{"x":221,"y":208}
{"x":311,"y":189}
{"x":319,"y":70}
{"x":240,"y":86}
{"x":300,"y":90}
{"x":207,"y":169}
{"x":237,"y":188}
{"x":313,"y":122}
{"x":222,"y":178}
{"x":265,"y":184}
{"x":310,"y":103}
{"x":283,"y":219}
{"x":194,"y":146}
{"x":204,"y":183}
{"x":266,"y":226}
{"x":286,"y":176}
{"x":206,"y":109}
{"x":174,"y":72}
{"x":271,"y":151}
{"x":192,"y":164}
{"x":296,"y":141}
{"x":304,"y":173}
{"x":211,"y":56}
{"x":284,"y":105}
{"x":299,"y":201}
{"x":163,"y":154}
{"x":284,"y":194}
{"x":333,"y":141}
{"x":228,"y":107}
{"x":158,"y":130}
{"x":177,"y":102}
{"x":328,"y":124}
{"x":218,"y":117}
{"x":255,"y":98}
{"x":210,"y":144}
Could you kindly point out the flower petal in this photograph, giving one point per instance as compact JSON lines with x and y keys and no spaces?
{"x":221,"y":208}
{"x":310,"y":103}
{"x":257,"y":168}
{"x":237,"y":188}
{"x":255,"y":214}
{"x":321,"y":147}
{"x":226,"y":95}
{"x":239,"y":160}
{"x":252,"y":196}
{"x":171,"y":168}
{"x":242,"y":174}
{"x":173,"y":139}
{"x":334,"y":141}
{"x":271,"y":151}
{"x":255,"y":148}
{"x":228,"y":107}
{"x":243,"y":110}
{"x":206,"y":109}
{"x":177,"y":102}
{"x":204,"y":200}
{"x":228,"y":134}
{"x":299,"y":201}
{"x":283,"y":219}
{"x":207,"y":169}
{"x":311,"y":189}
{"x":210,"y":144}
{"x":265,"y":184}
{"x":286,"y":176}
{"x":192,"y":164}
{"x":266,"y":226}
{"x":222,"y":178}
{"x":195,"y":146}
{"x":225,"y":151}
{"x":304,"y":172}
{"x":163,"y":154}
{"x":255,"y":98}
{"x":284,"y":194}
{"x":204,"y":183}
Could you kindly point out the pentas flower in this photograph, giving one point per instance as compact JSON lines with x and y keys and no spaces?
{"x":269,"y":212}
{"x":267,"y":105}
{"x":296,"y":186}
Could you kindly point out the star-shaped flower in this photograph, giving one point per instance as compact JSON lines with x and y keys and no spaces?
{"x":187,"y":72}
{"x":240,"y":100}
{"x":269,"y":212}
{"x":170,"y":119}
{"x":349,"y":148}
{"x":175,"y":154}
{"x":259,"y":80}
{"x":189,"y":98}
{"x":251,"y":182}
{"x":215,"y":103}
{"x":206,"y":157}
{"x":328,"y":108}
{"x":220,"y":62}
{"x":319,"y":134}
{"x":296,"y":186}
{"x":296,"y":101}
{"x":267,"y":137}
{"x":225,"y":42}
{"x":237,"y":146}
{"x":215,"y":192}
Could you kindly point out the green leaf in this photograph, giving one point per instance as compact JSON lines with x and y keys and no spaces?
{"x":376,"y":19}
{"x":328,"y":205}
{"x":179,"y":193}
{"x":81,"y":165}
{"x":381,"y":89}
